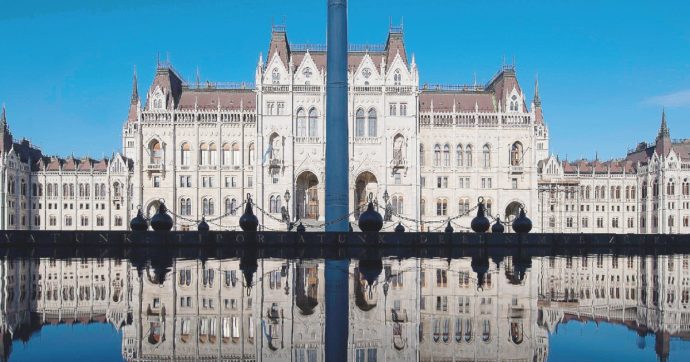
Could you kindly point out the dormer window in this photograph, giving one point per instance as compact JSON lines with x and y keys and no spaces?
{"x":397,"y":77}
{"x":307,"y":72}
{"x":275,"y":76}
{"x":514,"y":103}
{"x":158,"y":102}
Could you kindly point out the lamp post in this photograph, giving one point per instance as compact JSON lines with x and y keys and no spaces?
{"x":287,"y":203}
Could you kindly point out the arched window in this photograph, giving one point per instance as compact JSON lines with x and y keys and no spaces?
{"x":459,"y":155}
{"x":618,"y":192}
{"x":186,"y":207}
{"x":397,"y":204}
{"x":632,"y":192}
{"x":655,"y":188}
{"x":103,"y":191}
{"x":437,"y":155}
{"x":227,"y":156}
{"x":274,"y":204}
{"x":233,"y":207}
{"x":489,"y":205}
{"x":397,"y":77}
{"x":203,"y":154}
{"x":359,"y":123}
{"x":446,"y":155}
{"x":208,"y":206}
{"x":156,"y":152}
{"x":251,"y":154}
{"x":671,"y":188}
{"x":275,"y":76}
{"x":486,"y":156}
{"x":644,"y":189}
{"x":372,"y":123}
{"x":442,"y":207}
{"x":422,"y":156}
{"x":49,"y":190}
{"x":588,"y":192}
{"x":468,"y":155}
{"x":686,"y":187}
{"x":213,"y":156}
{"x":236,"y":155}
{"x":398,"y":149}
{"x":313,"y":125}
{"x":627,"y":192}
{"x":422,"y":207}
{"x":301,"y":123}
{"x":185,"y":154}
{"x":463,"y":206}
{"x":516,"y":154}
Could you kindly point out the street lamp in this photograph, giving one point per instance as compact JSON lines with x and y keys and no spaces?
{"x":388,"y":209}
{"x":286,"y":216}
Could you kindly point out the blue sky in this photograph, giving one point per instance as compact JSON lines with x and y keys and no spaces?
{"x":606,"y":68}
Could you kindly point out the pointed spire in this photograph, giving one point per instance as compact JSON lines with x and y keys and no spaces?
{"x":663,"y":130}
{"x":135,"y":91}
{"x":537,"y":100}
{"x":3,"y":116}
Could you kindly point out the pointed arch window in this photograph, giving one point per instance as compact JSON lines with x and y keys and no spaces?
{"x":301,"y":123}
{"x":459,"y":156}
{"x":274,"y":204}
{"x":437,"y":155}
{"x":275,"y":76}
{"x":516,"y":154}
{"x":213,"y":154}
{"x":203,"y":154}
{"x":359,"y":123}
{"x":313,"y":123}
{"x":372,"y":123}
{"x":156,"y":152}
{"x":236,"y":155}
{"x":185,"y":154}
{"x":486,"y":156}
{"x":468,"y":155}
{"x":397,"y":203}
{"x":227,"y":155}
{"x":397,"y":77}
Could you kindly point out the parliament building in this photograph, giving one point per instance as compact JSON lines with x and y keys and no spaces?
{"x":424,"y":153}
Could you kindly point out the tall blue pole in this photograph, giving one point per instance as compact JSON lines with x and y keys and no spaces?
{"x":337,"y":179}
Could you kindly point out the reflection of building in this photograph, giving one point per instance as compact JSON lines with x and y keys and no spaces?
{"x":211,"y":310}
{"x":648,"y":295}
{"x":49,"y":291}
{"x":399,"y":310}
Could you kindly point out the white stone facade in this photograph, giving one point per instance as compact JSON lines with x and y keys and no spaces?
{"x":433,"y":149}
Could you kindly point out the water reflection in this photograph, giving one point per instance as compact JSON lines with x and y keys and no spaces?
{"x":399,"y":309}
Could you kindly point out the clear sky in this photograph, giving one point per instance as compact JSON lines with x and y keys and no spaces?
{"x":606,"y":68}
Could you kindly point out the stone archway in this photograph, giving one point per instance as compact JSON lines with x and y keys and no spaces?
{"x":365,"y":184}
{"x":151,"y":208}
{"x":307,"y":198}
{"x":512,"y":211}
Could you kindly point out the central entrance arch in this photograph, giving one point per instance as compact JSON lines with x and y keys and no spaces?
{"x":365,"y":184}
{"x":307,"y":201}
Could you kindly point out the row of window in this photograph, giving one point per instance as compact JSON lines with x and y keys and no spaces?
{"x":463,"y":206}
{"x":208,"y":206}
{"x":464,"y":155}
{"x":68,"y":189}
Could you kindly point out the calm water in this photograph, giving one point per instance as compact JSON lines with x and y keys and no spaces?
{"x":583,"y":308}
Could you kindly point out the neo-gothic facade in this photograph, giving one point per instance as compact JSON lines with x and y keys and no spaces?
{"x":433,"y":150}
